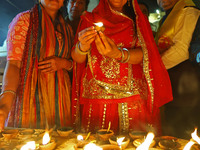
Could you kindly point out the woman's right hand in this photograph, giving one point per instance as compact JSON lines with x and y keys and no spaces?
{"x":86,"y":37}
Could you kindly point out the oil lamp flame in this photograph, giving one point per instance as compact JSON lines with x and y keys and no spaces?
{"x":120,"y":140}
{"x":188,"y":145}
{"x":99,"y":24}
{"x":192,"y":141}
{"x":195,"y":137}
{"x":146,"y":144}
{"x":79,"y":137}
{"x":29,"y":145}
{"x":92,"y":146}
{"x":46,"y":138}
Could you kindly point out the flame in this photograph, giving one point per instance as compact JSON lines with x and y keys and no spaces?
{"x":195,"y":137}
{"x":46,"y":138}
{"x":92,"y":146}
{"x":192,"y":141}
{"x":99,"y":24}
{"x":188,"y":145}
{"x":145,"y":145}
{"x":29,"y":145}
{"x":120,"y":140}
{"x":79,"y":137}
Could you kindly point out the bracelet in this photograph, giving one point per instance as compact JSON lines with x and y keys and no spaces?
{"x":122,"y":57}
{"x":8,"y":91}
{"x":128,"y":57}
{"x":78,"y":49}
{"x":71,"y":65}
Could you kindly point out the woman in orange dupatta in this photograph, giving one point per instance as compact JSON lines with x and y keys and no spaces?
{"x":36,"y":83}
{"x":118,"y":75}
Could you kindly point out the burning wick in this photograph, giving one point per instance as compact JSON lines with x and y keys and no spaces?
{"x":189,"y":145}
{"x":29,"y":145}
{"x":46,"y":138}
{"x":79,"y":137}
{"x":92,"y":146}
{"x":195,"y":139}
{"x":119,"y":141}
{"x":47,"y":143}
{"x":99,"y":26}
{"x":146,"y":144}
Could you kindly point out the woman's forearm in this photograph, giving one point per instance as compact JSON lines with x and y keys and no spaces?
{"x":136,"y":56}
{"x":10,"y":83}
{"x":79,"y":58}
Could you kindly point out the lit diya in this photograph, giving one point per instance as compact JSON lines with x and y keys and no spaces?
{"x":145,"y":144}
{"x":122,"y":142}
{"x":47,"y":143}
{"x":195,"y":139}
{"x":99,"y":26}
{"x":105,"y":134}
{"x":82,"y":140}
{"x":92,"y":146}
{"x":29,"y":146}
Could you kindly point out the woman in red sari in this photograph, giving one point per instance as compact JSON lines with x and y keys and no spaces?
{"x":118,"y":75}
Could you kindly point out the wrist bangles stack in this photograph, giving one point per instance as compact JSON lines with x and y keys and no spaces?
{"x":122,"y":58}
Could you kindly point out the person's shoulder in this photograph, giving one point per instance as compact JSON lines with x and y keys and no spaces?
{"x":23,"y":16}
{"x":191,"y":10}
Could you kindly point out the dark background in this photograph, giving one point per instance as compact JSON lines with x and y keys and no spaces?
{"x":10,"y":8}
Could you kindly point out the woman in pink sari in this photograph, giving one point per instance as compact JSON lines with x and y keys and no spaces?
{"x":118,"y":75}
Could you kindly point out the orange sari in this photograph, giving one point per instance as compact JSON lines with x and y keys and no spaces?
{"x":41,"y":98}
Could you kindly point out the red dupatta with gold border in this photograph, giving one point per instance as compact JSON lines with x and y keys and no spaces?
{"x":156,"y":76}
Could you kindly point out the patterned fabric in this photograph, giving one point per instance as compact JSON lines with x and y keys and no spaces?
{"x":105,"y":90}
{"x":17,"y":36}
{"x":42,"y":97}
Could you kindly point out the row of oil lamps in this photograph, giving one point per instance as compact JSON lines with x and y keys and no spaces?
{"x":49,"y":144}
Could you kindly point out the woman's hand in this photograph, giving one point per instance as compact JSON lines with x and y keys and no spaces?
{"x":106,"y":46}
{"x":52,"y":64}
{"x":86,"y":37}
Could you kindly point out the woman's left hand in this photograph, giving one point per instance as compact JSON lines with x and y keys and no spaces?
{"x":106,"y":46}
{"x":51,"y":64}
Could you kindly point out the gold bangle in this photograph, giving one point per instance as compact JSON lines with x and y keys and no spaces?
{"x":128,"y":57}
{"x":122,"y":57}
{"x":8,"y":91}
{"x":71,"y":65}
{"x":80,"y":51}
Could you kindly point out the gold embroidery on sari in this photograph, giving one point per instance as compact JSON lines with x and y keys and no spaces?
{"x":110,"y":68}
{"x":146,"y":69}
{"x":123,"y":117}
{"x":95,"y":89}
